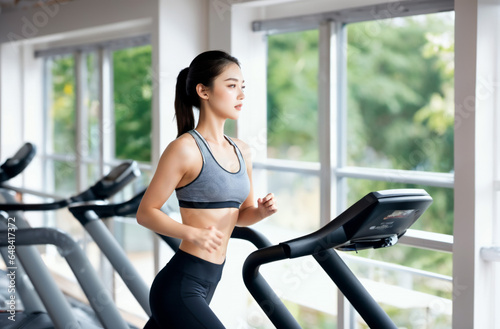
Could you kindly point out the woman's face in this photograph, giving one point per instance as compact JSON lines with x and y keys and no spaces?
{"x":225,"y":97}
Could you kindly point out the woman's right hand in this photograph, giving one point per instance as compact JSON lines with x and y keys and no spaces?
{"x":209,"y":238}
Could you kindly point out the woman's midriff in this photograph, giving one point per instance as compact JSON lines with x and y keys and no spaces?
{"x":223,"y":220}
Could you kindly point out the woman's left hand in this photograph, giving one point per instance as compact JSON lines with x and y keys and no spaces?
{"x":267,"y":205}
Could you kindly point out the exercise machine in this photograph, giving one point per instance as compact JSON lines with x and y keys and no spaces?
{"x":91,"y":215}
{"x":14,"y":165}
{"x":105,"y":188}
{"x":58,"y":308}
{"x":46,"y":299}
{"x":377,"y":220}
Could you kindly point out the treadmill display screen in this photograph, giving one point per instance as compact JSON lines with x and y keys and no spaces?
{"x":396,"y":214}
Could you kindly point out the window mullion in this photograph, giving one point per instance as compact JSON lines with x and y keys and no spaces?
{"x":106,"y":135}
{"x":327,"y":94}
{"x":341,"y":109}
{"x":46,"y":122}
{"x":106,"y":124}
{"x":81,"y":123}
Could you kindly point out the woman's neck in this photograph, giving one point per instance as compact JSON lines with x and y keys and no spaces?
{"x":212,"y":130}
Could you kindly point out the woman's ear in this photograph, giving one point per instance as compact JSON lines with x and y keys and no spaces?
{"x":202,"y":91}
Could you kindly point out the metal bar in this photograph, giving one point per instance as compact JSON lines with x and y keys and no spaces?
{"x":117,"y":257}
{"x":24,"y":190}
{"x":25,"y":290}
{"x":300,"y":167}
{"x":445,"y":180}
{"x":350,"y":286}
{"x":352,"y":15}
{"x":428,"y":240}
{"x":256,"y":238}
{"x":267,"y":299}
{"x":98,"y":296}
{"x":51,"y":296}
{"x":394,"y":267}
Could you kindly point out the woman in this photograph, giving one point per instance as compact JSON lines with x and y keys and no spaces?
{"x":212,"y":177}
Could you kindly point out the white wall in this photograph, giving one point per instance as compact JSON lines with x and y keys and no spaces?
{"x":178,"y":29}
{"x":11,"y":119}
{"x":475,"y":304}
{"x":69,"y":16}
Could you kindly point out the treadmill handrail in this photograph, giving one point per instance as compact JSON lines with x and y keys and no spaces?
{"x":59,"y":204}
{"x":242,"y":233}
{"x":14,"y":165}
{"x":258,"y":287}
{"x":103,"y":306}
{"x":386,"y":212}
{"x":103,"y":189}
{"x":104,"y":209}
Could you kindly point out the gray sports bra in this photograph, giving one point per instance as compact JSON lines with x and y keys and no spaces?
{"x":215,"y":187}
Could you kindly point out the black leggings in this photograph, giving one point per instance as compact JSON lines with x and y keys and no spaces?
{"x":181,"y":292}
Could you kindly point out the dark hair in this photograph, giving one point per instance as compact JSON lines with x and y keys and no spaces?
{"x":203,"y":69}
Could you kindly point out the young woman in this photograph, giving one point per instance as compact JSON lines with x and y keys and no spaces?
{"x":212,"y":177}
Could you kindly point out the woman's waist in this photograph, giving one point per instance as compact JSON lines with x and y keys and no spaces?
{"x":187,"y":263}
{"x":216,"y":257}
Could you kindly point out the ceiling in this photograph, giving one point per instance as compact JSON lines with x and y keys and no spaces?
{"x":14,"y":5}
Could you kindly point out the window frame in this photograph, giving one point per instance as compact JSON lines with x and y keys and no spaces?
{"x":333,"y":111}
{"x":106,"y":153}
{"x":332,"y":93}
{"x":106,"y":159}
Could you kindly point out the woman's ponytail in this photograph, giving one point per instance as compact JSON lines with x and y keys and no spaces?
{"x":203,"y":69}
{"x":183,"y":105}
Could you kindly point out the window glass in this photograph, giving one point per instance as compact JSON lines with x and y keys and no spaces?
{"x":298,"y":197}
{"x":61,"y":105}
{"x":132,"y":81}
{"x":132,"y":127}
{"x":64,"y":177}
{"x":92,"y":104}
{"x":411,"y":296}
{"x":400,"y":108}
{"x":292,"y":96}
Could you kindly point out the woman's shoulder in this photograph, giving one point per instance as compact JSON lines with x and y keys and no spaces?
{"x":182,"y":148}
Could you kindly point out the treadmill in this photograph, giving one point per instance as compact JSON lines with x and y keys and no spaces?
{"x":14,"y":165}
{"x":378,"y":220}
{"x":42,"y":300}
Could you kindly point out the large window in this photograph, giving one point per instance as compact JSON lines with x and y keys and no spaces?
{"x":292,"y":114}
{"x":97,"y":114}
{"x":394,"y":110}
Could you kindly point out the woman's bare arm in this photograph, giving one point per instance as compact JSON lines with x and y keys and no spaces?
{"x":174,"y":165}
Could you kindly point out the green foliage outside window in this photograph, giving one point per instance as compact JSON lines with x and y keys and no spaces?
{"x":292,"y":96}
{"x":62,"y":105}
{"x":400,"y":94}
{"x":399,"y":102}
{"x":132,"y":95}
{"x":400,"y":115}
